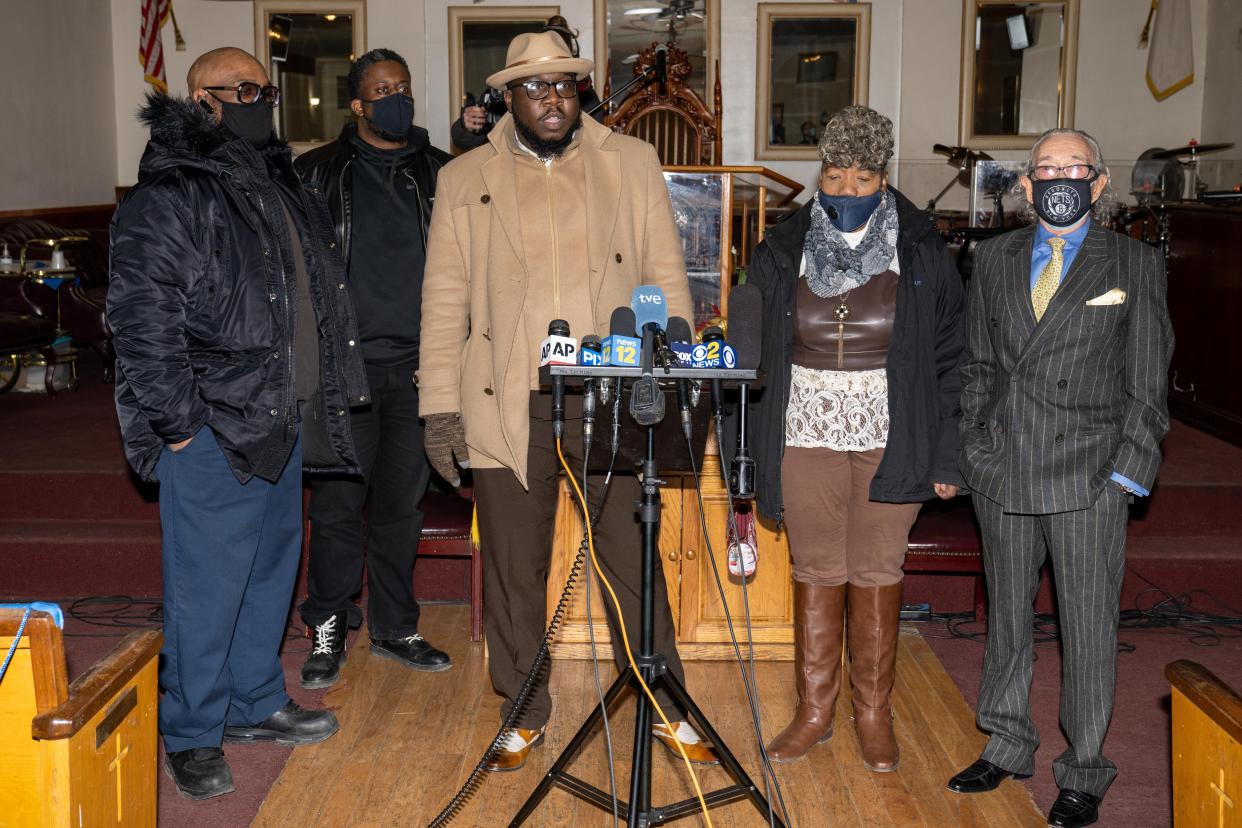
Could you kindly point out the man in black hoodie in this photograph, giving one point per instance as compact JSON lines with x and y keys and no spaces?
{"x":380,"y":178}
{"x":236,"y":364}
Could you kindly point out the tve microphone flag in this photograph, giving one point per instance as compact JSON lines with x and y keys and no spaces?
{"x":647,"y":302}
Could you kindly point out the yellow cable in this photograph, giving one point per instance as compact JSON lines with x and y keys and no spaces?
{"x":625,"y":639}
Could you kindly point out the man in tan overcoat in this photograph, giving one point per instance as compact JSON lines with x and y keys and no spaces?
{"x":556,"y":217}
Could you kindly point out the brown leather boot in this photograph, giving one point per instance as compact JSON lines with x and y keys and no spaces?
{"x":819,"y":615}
{"x":874,"y":613}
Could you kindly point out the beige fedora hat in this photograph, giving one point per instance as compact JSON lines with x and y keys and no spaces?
{"x":538,"y":53}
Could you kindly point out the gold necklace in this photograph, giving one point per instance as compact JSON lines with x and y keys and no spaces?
{"x":841,"y":313}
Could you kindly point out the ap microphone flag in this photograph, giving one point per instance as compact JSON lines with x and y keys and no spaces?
{"x":559,"y":348}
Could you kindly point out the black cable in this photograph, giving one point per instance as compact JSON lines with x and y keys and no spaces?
{"x":748,"y":680}
{"x":599,"y":687}
{"x":471,"y":784}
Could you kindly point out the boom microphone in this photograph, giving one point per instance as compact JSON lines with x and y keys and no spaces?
{"x":591,"y":352}
{"x":746,"y":328}
{"x":678,"y":334}
{"x":661,"y":68}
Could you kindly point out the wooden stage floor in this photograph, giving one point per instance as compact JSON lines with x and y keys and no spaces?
{"x":408,"y":740}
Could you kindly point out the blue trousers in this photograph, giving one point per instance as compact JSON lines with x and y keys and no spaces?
{"x":230,"y":558}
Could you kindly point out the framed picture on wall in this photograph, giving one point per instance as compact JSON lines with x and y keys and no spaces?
{"x":813,"y":59}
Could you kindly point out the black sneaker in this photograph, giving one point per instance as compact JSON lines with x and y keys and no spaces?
{"x":323,"y":665}
{"x":290,"y":725}
{"x":413,"y":651}
{"x":199,"y":773}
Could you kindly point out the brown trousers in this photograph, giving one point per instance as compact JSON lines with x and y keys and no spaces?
{"x":837,"y":534}
{"x":516,"y":528}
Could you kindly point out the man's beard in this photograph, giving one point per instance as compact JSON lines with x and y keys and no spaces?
{"x":545,"y":150}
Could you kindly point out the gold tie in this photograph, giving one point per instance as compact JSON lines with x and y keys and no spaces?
{"x":1049,"y":279}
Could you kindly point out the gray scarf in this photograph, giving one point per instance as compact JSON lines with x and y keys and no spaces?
{"x":832,"y":266}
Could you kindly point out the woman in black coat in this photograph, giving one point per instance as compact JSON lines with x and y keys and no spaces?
{"x":858,"y":425}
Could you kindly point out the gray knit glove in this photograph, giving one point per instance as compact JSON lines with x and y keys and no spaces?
{"x":443,"y":439}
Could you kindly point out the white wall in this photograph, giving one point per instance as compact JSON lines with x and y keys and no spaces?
{"x":54,"y":84}
{"x":1222,"y":94}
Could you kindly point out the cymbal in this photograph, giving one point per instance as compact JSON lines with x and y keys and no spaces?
{"x":1191,"y":149}
{"x":958,"y":155}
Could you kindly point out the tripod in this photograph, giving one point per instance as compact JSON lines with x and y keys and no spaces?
{"x":638,"y":811}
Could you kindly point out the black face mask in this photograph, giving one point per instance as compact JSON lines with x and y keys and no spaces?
{"x":391,"y":116}
{"x":250,"y":122}
{"x":1062,"y":201}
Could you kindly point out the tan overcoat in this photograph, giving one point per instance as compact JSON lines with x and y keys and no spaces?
{"x":474,"y":357}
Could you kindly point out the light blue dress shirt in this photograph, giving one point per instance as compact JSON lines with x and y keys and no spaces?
{"x":1041,"y":253}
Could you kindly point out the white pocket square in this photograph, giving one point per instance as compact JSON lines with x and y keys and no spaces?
{"x":1116,"y":296}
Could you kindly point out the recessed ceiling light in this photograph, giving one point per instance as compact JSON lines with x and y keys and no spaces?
{"x":329,"y":17}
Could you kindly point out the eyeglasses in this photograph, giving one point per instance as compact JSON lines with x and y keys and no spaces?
{"x":1077,"y":172}
{"x":537,"y":90}
{"x":248,"y":93}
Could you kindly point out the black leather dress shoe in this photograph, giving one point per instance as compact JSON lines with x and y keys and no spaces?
{"x":290,"y":725}
{"x":980,"y":777}
{"x":413,"y":651}
{"x":1074,"y":809}
{"x":199,"y":773}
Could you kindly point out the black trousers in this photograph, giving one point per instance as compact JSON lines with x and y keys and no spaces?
{"x":389,"y":439}
{"x":516,"y":528}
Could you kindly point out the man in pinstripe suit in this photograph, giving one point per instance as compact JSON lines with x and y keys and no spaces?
{"x":1063,"y":409}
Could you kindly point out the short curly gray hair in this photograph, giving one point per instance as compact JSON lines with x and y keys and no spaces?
{"x":857,"y":135}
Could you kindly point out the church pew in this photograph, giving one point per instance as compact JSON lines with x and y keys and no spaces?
{"x":1207,"y":749}
{"x":81,"y":753}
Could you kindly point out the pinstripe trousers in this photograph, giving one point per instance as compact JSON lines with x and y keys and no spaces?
{"x":1087,"y":549}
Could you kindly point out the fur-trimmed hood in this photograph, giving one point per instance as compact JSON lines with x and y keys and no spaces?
{"x":183,"y":133}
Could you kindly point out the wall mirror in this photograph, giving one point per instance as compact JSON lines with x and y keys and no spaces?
{"x":306,"y":47}
{"x":1018,"y":67}
{"x":479,"y":38}
{"x":623,"y":28}
{"x":813,"y":60}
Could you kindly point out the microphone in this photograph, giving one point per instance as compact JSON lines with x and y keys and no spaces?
{"x":679,"y":335}
{"x":650,"y":318}
{"x":651,"y":314}
{"x":591,"y":352}
{"x":661,"y":68}
{"x":620,"y":348}
{"x":554,"y":351}
{"x":746,"y":325}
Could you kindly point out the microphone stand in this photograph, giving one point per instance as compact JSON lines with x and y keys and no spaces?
{"x":653,"y":667}
{"x":641,"y":76}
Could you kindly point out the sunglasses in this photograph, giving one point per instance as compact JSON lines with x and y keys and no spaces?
{"x":248,"y":93}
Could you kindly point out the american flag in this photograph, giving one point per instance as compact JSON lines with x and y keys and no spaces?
{"x":150,"y":45}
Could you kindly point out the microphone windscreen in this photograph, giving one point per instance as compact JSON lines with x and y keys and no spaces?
{"x":648,"y":305}
{"x":558,"y":327}
{"x":622,"y":322}
{"x":746,"y":324}
{"x":712,"y":332}
{"x":678,"y":329}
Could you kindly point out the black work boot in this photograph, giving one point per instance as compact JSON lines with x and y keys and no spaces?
{"x":290,"y":725}
{"x":413,"y":651}
{"x":199,"y":773}
{"x":323,"y":665}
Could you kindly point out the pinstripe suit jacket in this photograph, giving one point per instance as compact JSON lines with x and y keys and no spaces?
{"x":1050,"y":410}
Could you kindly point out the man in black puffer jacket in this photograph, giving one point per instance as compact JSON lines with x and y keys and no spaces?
{"x":380,"y":178}
{"x":237,"y":361}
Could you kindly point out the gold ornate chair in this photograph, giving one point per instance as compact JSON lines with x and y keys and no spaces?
{"x":684,"y":131}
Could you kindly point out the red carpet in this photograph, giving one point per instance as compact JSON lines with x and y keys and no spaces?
{"x":74,"y":521}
